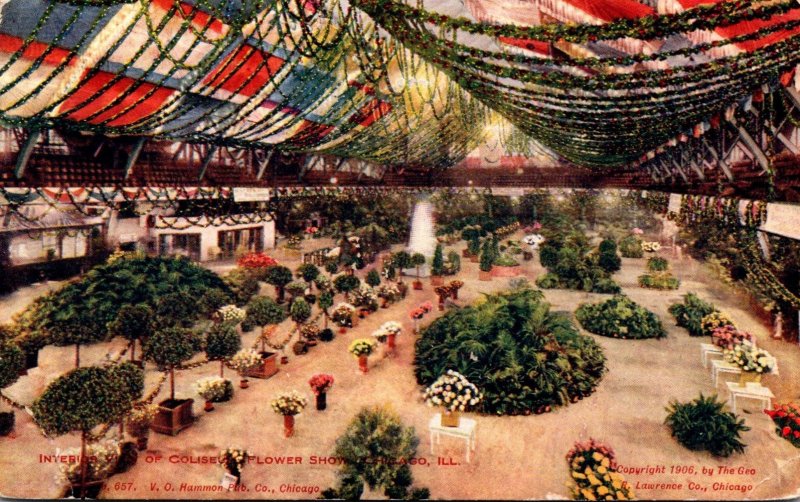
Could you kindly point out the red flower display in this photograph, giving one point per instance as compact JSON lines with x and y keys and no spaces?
{"x":320,"y":383}
{"x":256,"y":260}
{"x":787,"y":421}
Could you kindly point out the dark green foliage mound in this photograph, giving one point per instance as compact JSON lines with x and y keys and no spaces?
{"x":657,"y":264}
{"x":619,"y":317}
{"x":376,"y":448}
{"x":571,"y":266}
{"x":702,"y":424}
{"x":82,"y":311}
{"x":691,"y":312}
{"x":631,"y":247}
{"x":523,"y":357}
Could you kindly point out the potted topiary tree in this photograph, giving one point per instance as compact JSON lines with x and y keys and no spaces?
{"x":401,"y":261}
{"x":437,"y":266}
{"x":263,"y":311}
{"x":296,"y":289}
{"x":417,"y":260}
{"x":346,"y":283}
{"x":332,"y":266}
{"x":487,"y":260}
{"x":133,"y":322}
{"x":300,"y":312}
{"x":168,"y":348}
{"x":474,"y":246}
{"x":83,"y":399}
{"x":75,"y":327}
{"x":325,"y":301}
{"x":308,"y":272}
{"x":222,"y":342}
{"x":279,"y":276}
{"x":12,"y":363}
{"x":373,"y":278}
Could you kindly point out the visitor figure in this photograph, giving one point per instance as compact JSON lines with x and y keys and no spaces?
{"x":778,"y":333}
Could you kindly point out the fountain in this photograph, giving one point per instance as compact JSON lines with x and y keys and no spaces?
{"x":423,"y":234}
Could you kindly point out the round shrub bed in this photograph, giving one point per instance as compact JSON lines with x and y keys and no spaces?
{"x":523,"y":357}
{"x":620,"y":317}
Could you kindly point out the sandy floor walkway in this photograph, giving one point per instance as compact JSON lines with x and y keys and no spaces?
{"x":516,"y":457}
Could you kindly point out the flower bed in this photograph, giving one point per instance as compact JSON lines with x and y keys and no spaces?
{"x":787,"y":421}
{"x":659,"y":280}
{"x":690,"y":313}
{"x":620,"y":317}
{"x":593,"y":470}
{"x":553,"y":363}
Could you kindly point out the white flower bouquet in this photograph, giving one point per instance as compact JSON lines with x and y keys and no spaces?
{"x":750,"y":358}
{"x":289,"y":403}
{"x":386,"y":329}
{"x":245,"y":360}
{"x":453,"y":392}
{"x":231,"y":314}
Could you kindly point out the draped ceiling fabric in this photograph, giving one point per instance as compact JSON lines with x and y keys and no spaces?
{"x":602,"y":83}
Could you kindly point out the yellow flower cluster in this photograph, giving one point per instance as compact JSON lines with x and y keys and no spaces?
{"x":595,"y":478}
{"x":362,"y":347}
{"x":289,"y":403}
{"x":233,"y":459}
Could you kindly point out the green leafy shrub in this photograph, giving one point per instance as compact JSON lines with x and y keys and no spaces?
{"x":170,"y":347}
{"x":346,"y":283}
{"x":523,"y":357}
{"x":657,"y":264}
{"x":690,"y":313}
{"x":300,"y":311}
{"x":659,"y":280}
{"x":702,"y":424}
{"x":222,"y":342}
{"x":631,"y":247}
{"x":308,"y":271}
{"x":263,"y":310}
{"x":619,"y":317}
{"x":211,"y":300}
{"x":12,"y":361}
{"x":243,"y":285}
{"x":453,"y":264}
{"x":548,"y":280}
{"x":437,"y":263}
{"x":607,"y":258}
{"x":570,"y":267}
{"x":373,"y":278}
{"x":376,"y":433}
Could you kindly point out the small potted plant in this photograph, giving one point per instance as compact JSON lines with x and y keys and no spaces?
{"x":454,"y":287}
{"x":486,"y":261}
{"x":442,"y":292}
{"x":214,"y":390}
{"x":343,"y":316}
{"x":288,"y":404}
{"x":320,"y":385}
{"x":138,"y":422}
{"x":243,"y":362}
{"x":102,"y":458}
{"x":453,"y":392}
{"x":233,"y":460}
{"x":362,"y":348}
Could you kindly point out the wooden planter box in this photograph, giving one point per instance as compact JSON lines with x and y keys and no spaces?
{"x":498,"y":271}
{"x":173,"y":416}
{"x":269,"y":366}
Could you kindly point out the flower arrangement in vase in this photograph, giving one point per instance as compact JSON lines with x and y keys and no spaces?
{"x":288,"y":404}
{"x":753,"y":361}
{"x":454,"y":287}
{"x":233,"y":460}
{"x":320,"y":385}
{"x":231,"y":314}
{"x":362,"y":348}
{"x":388,"y":292}
{"x":387,"y":333}
{"x":728,"y":336}
{"x":243,"y":362}
{"x":453,"y":392}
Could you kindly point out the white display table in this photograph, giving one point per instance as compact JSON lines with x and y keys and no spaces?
{"x":751,"y":390}
{"x":465,"y":431}
{"x":706,"y":350}
{"x":720,"y":366}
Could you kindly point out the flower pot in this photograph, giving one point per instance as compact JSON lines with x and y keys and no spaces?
{"x":484,"y":276}
{"x":244,"y":383}
{"x":342,"y":330}
{"x":437,"y":280}
{"x":267,"y":368}
{"x":748,"y":376}
{"x":173,"y":416}
{"x":322,"y":401}
{"x":501,"y":271}
{"x":451,"y":418}
{"x":417,"y":285}
{"x":390,"y":341}
{"x":384,"y":303}
{"x":474,"y":259}
{"x":141,"y":441}
{"x":441,"y":304}
{"x":288,"y":426}
{"x":209,"y":406}
{"x":284,"y":359}
{"x":362,"y":364}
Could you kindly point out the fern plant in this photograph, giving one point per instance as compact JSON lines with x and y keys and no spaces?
{"x":702,"y":424}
